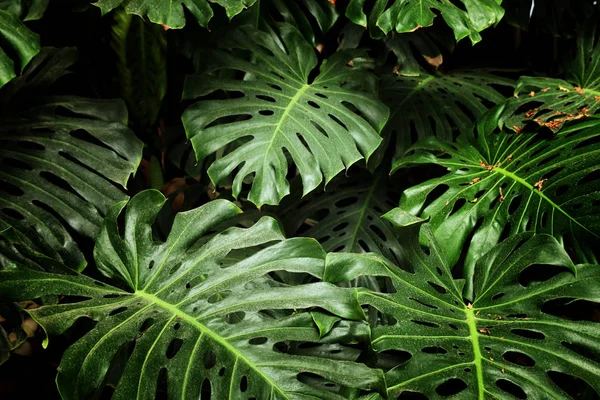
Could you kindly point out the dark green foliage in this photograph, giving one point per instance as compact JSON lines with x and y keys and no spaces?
{"x":299,"y":199}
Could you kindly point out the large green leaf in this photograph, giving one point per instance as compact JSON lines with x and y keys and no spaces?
{"x":20,"y":43}
{"x":441,"y":105}
{"x":62,"y":159}
{"x":205,"y":318}
{"x":502,"y":184}
{"x":324,"y":125}
{"x":551,"y":102}
{"x":170,"y":14}
{"x":410,"y":15}
{"x":503,"y":342}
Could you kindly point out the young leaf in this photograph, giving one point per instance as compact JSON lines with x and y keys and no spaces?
{"x":410,"y":15}
{"x":20,"y":42}
{"x":504,"y":341}
{"x":170,"y":14}
{"x":141,"y":50}
{"x":325,"y":125}
{"x":443,"y":105}
{"x":207,"y":316}
{"x":502,"y":184}
{"x":61,"y":159}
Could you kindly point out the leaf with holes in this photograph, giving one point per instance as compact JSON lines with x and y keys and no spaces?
{"x":19,"y":46}
{"x":62,"y":159}
{"x":468,"y":19}
{"x":171,"y":14}
{"x":501,"y":184}
{"x":552,"y":102}
{"x":443,"y":105}
{"x":514,"y":336}
{"x":324,"y":125}
{"x":198,"y":318}
{"x":347,"y":215}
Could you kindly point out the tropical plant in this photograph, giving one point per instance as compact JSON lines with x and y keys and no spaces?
{"x":299,"y":199}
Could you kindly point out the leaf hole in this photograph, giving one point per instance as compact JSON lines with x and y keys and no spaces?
{"x":258,"y":340}
{"x":451,"y":387}
{"x":210,"y":360}
{"x":519,"y":358}
{"x":425,"y":323}
{"x":572,"y":385}
{"x":235,"y":317}
{"x":117,"y":311}
{"x":540,"y":273}
{"x":583,"y":351}
{"x":498,"y":296}
{"x":265,"y":98}
{"x":438,"y":288}
{"x":423,"y":303}
{"x":244,"y":384}
{"x":206,"y":390}
{"x":313,"y":104}
{"x":11,"y":189}
{"x":434,"y":350}
{"x":222,"y":371}
{"x":511,"y":388}
{"x":14,"y":214}
{"x":174,"y":348}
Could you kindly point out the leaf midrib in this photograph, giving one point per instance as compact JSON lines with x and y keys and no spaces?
{"x":523,"y":182}
{"x":204,"y":330}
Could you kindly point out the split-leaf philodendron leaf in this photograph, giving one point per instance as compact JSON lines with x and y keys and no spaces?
{"x":204,"y":318}
{"x":410,"y":15}
{"x":20,"y":42}
{"x":441,"y":105}
{"x":275,"y":112}
{"x":500,"y":341}
{"x":170,"y":14}
{"x":61,"y":159}
{"x":502,"y":184}
{"x":552,"y":102}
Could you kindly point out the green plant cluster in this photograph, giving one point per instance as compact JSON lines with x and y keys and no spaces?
{"x":302,"y":199}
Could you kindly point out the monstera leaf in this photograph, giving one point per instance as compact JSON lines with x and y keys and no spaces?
{"x":443,"y":105}
{"x":503,"y":341}
{"x":324,"y":125}
{"x":19,"y":45}
{"x":502,"y":184}
{"x":170,"y":14}
{"x":61,"y":158}
{"x":347,"y":215}
{"x":551,"y":102}
{"x":206,"y":318}
{"x":410,"y":15}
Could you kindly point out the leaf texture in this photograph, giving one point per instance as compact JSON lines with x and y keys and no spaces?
{"x":499,"y":185}
{"x":503,"y":342}
{"x":62,"y":159}
{"x":206,"y":317}
{"x":324,"y":125}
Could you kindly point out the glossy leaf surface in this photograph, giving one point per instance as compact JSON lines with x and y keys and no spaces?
{"x":200,"y":311}
{"x":503,"y":342}
{"x":324,"y":125}
{"x":502,"y":184}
